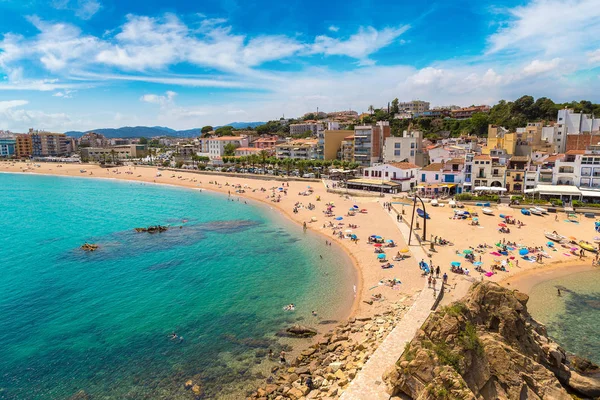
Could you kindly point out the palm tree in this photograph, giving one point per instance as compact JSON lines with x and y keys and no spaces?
{"x":287,"y":163}
{"x":371,"y":109}
{"x":113,"y":153}
{"x":263,"y":154}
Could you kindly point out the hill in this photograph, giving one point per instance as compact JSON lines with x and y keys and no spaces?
{"x":151,"y":131}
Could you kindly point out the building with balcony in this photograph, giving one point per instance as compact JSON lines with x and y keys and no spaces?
{"x":115,"y":153}
{"x":368,"y":143}
{"x":23,"y":145}
{"x":500,"y":138}
{"x":7,"y":147}
{"x":248,"y":151}
{"x":347,"y":149}
{"x":467,"y":112}
{"x":415,"y":106}
{"x":47,"y":144}
{"x":402,"y":173}
{"x":299,"y":149}
{"x":217,"y":145}
{"x":515,"y":173}
{"x":312,"y":128}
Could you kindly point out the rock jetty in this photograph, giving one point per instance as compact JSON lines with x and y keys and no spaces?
{"x":332,"y":362}
{"x":89,"y":247}
{"x":487,"y":346}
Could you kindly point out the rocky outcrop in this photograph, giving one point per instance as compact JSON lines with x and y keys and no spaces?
{"x":300,"y":331}
{"x":488,"y":347}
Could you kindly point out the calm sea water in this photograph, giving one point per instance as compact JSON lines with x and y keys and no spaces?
{"x":98,"y":322}
{"x":573,"y":319}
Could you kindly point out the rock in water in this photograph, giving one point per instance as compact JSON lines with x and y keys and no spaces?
{"x":300,"y":331}
{"x":487,"y":346}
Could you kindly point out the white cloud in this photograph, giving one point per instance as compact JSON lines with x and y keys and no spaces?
{"x":334,"y":28}
{"x":66,"y":94}
{"x":539,"y":67}
{"x":593,"y":56}
{"x":84,"y":9}
{"x":159,"y":99}
{"x":549,"y":26}
{"x":6,"y":104}
{"x":360,"y":45}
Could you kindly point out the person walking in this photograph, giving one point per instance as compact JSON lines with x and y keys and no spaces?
{"x":429,"y":282}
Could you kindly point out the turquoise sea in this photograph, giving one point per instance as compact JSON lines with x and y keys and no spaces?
{"x":573,"y":319}
{"x":99,"y":322}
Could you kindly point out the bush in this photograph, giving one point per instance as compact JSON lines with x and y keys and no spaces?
{"x":456,"y":309}
{"x":447,"y":356}
{"x":579,"y":203}
{"x":556,"y":202}
{"x":469,"y":196}
{"x":470,"y":340}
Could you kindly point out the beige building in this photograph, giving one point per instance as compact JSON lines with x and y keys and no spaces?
{"x":347,"y":150}
{"x":124,"y":152}
{"x":415,"y":106}
{"x":300,"y":149}
{"x":329,"y":143}
{"x":500,"y":138}
{"x":47,"y":144}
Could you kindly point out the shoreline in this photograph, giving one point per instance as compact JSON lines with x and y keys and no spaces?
{"x":262,"y":203}
{"x":526,"y":281}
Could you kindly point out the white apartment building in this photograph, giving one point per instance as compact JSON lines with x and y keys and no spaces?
{"x":313,"y":127}
{"x":368,"y":143}
{"x":440,"y":154}
{"x":415,"y":106}
{"x":216,"y":145}
{"x":408,"y":148}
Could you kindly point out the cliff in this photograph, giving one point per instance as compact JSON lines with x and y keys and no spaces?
{"x":487,"y":346}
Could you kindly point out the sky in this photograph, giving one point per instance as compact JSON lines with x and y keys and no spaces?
{"x":85,"y":64}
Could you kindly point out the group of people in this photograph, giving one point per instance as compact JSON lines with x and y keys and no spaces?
{"x":457,"y":269}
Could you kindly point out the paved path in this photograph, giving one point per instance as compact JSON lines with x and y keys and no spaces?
{"x":368,"y":384}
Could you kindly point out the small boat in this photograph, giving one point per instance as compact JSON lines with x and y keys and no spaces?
{"x":422,"y":214}
{"x":487,"y":211}
{"x":554,"y":236}
{"x":434,"y":203}
{"x":541,"y":209}
{"x":535,"y":211}
{"x":482,"y":204}
{"x":525,"y":211}
{"x":587,"y":246}
{"x":589,"y":215}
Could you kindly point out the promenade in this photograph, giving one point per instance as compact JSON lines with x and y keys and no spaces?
{"x":368,"y":383}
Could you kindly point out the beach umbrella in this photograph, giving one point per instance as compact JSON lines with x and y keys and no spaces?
{"x":478,"y":263}
{"x":390,"y":241}
{"x":405,"y":250}
{"x":377,"y":237}
{"x":467,"y":251}
{"x":352,"y":209}
{"x":502,"y":225}
{"x":377,"y":245}
{"x":523,"y":252}
{"x":339,"y":218}
{"x":381,"y":256}
{"x":550,"y":244}
{"x":455,"y":264}
{"x":354,"y":236}
{"x":355,"y":206}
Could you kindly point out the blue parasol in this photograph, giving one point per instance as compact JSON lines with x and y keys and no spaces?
{"x":339,"y":218}
{"x":381,"y":256}
{"x":523,"y":252}
{"x":455,"y":264}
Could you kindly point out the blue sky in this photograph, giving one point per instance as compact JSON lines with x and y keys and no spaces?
{"x":84,"y":64}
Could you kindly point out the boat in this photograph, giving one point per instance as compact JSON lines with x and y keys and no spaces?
{"x":587,"y":246}
{"x":541,"y":209}
{"x":422,"y":214}
{"x":482,"y":204}
{"x":487,"y":211}
{"x":434,"y":203}
{"x":535,"y":211}
{"x":554,"y":236}
{"x":589,"y":215}
{"x":525,"y":211}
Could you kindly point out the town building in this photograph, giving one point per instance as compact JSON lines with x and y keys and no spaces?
{"x":23,"y":145}
{"x":401,"y":173}
{"x":47,"y":144}
{"x":368,"y":143}
{"x":115,"y":153}
{"x":347,"y":149}
{"x":467,"y":112}
{"x":443,"y":153}
{"x":329,"y":143}
{"x":442,"y":178}
{"x":248,"y":151}
{"x":408,"y":147}
{"x":7,"y":147}
{"x":312,"y":127}
{"x":299,"y":149}
{"x":266,"y":142}
{"x":500,"y":138}
{"x":488,"y":172}
{"x":92,"y":139}
{"x":185,"y":150}
{"x":415,"y":106}
{"x":217,"y":145}
{"x":516,"y":171}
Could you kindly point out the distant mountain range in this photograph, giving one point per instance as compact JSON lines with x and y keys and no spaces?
{"x":150,"y":131}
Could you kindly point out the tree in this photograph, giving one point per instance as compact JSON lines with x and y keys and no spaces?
{"x":143,"y":140}
{"x":479,"y":124}
{"x":206,"y":129}
{"x":224,"y":131}
{"x":229,"y":149}
{"x":371,"y":109}
{"x":263,"y":154}
{"x":395,"y":109}
{"x":113,"y":153}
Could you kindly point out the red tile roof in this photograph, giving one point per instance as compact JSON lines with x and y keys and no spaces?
{"x":404,"y":165}
{"x":433,"y":167}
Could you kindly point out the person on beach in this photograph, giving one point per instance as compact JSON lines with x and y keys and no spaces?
{"x":445,"y":278}
{"x":429,"y":281}
{"x":437,"y":271}
{"x":558,"y":292}
{"x":282,"y":357}
{"x":433,"y":282}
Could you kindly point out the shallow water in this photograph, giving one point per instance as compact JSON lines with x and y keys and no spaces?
{"x":71,"y":320}
{"x":573,"y":319}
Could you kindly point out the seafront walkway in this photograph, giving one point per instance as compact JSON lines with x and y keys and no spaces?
{"x":368,"y":383}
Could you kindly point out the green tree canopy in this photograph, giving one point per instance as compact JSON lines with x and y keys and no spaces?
{"x":229,"y":149}
{"x":206,"y":129}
